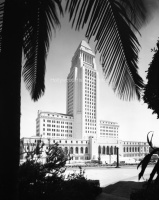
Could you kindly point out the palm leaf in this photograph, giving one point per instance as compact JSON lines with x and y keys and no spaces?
{"x":154,"y":171}
{"x":40,"y":17}
{"x":110,"y":23}
{"x":144,"y":164}
{"x":150,"y":141}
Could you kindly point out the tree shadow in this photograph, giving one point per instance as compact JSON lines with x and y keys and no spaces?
{"x":123,"y":188}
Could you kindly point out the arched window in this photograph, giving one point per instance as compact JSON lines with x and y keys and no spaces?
{"x":103,"y":149}
{"x":81,"y":149}
{"x":76,"y":150}
{"x":111,"y":150}
{"x":130,"y":149}
{"x":115,"y":150}
{"x":133,"y":149}
{"x":86,"y":150}
{"x":99,"y":149}
{"x":127,"y":149}
{"x":108,"y":150}
{"x":71,"y":150}
{"x":66,"y":150}
{"x":124,"y":149}
{"x":138,"y":149}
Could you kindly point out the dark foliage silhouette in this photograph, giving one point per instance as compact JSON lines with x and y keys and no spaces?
{"x":25,"y":31}
{"x":150,"y":189}
{"x":144,"y":163}
{"x":151,"y":90}
{"x":46,"y":181}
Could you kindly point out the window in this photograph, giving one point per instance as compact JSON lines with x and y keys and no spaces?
{"x":71,"y":150}
{"x":76,"y":150}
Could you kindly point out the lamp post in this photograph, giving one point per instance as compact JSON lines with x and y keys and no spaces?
{"x":117,"y":156}
{"x":99,"y":158}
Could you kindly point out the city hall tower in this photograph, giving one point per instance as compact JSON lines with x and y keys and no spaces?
{"x":82,"y":93}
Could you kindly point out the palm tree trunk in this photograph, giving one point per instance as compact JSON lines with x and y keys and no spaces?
{"x":10,"y":83}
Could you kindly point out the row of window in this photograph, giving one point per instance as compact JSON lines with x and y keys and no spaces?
{"x":90,"y":73}
{"x":58,"y":122}
{"x":58,"y":134}
{"x":108,"y":127}
{"x":58,"y":126}
{"x":51,"y":115}
{"x":108,"y":150}
{"x":92,"y":132}
{"x":106,"y":122}
{"x":77,"y":150}
{"x":132,"y":149}
{"x":89,"y":103}
{"x":90,"y":116}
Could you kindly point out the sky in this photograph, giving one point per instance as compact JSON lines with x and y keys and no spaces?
{"x":134,"y":118}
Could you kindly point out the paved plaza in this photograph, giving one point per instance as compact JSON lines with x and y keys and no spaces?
{"x":111,"y":175}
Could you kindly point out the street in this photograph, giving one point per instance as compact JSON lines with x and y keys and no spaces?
{"x":110,"y":175}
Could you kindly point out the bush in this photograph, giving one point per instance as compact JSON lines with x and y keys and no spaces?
{"x":38,"y":181}
{"x":78,"y":187}
{"x":34,"y":183}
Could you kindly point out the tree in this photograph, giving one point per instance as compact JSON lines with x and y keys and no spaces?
{"x":151,"y":90}
{"x":42,"y":180}
{"x":25,"y":31}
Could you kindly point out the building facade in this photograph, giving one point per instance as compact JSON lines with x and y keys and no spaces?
{"x":80,"y":132}
{"x":135,"y":149}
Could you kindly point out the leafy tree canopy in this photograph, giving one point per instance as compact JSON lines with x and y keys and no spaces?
{"x":151,"y":90}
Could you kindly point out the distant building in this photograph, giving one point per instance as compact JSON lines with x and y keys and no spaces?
{"x":135,"y":149}
{"x":80,"y":131}
{"x":54,"y":125}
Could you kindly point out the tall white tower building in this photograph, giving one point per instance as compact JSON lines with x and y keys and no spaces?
{"x":77,"y":131}
{"x":82,"y":93}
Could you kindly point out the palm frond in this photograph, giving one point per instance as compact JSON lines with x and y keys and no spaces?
{"x":150,"y":141}
{"x":40,"y":17}
{"x":154,"y":171}
{"x":144,"y":164}
{"x":137,"y":11}
{"x":112,"y":27}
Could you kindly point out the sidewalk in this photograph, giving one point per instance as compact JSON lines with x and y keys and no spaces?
{"x":120,"y":190}
{"x":104,"y":196}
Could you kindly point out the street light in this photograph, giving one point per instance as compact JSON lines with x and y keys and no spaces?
{"x":117,"y":156}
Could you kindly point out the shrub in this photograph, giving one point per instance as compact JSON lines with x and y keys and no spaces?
{"x":150,"y":191}
{"x":78,"y":187}
{"x":46,"y":181}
